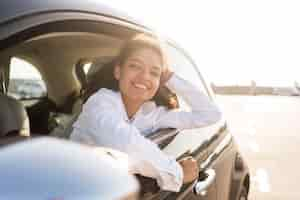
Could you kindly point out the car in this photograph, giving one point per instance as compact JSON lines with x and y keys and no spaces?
{"x":64,"y":43}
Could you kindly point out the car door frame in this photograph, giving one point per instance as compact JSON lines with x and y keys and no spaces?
{"x":205,"y":161}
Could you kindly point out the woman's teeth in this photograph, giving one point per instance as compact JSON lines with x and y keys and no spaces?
{"x":140,"y":86}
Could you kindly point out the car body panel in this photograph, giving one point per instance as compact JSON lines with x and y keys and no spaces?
{"x":17,"y":9}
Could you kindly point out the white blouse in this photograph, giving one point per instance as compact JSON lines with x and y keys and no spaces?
{"x":104,"y":122}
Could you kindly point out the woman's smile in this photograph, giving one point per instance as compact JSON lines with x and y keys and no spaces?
{"x":139,"y":76}
{"x":140,"y":86}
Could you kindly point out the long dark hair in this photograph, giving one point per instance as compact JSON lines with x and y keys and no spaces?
{"x":104,"y":77}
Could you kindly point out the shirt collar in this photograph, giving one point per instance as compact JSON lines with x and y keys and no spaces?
{"x":144,"y":109}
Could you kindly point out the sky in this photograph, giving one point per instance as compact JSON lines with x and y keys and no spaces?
{"x":232,"y":42}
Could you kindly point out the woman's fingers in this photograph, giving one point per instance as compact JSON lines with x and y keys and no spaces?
{"x":165,"y":76}
{"x":190,"y":169}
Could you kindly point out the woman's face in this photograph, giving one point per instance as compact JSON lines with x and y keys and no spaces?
{"x":139,"y":76}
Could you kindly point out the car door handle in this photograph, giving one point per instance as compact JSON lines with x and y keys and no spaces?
{"x":206,"y":178}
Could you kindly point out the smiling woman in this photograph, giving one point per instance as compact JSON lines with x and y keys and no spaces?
{"x":127,"y":113}
{"x":138,"y":70}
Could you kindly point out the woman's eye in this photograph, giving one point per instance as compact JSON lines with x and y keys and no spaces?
{"x":155,"y":74}
{"x":135,"y":66}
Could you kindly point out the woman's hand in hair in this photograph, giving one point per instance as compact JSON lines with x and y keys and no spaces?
{"x":165,"y":76}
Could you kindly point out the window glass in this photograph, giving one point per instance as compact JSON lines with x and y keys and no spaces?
{"x":183,"y":67}
{"x":25,"y":80}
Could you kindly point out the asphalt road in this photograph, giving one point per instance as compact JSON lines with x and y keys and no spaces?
{"x":267,"y":129}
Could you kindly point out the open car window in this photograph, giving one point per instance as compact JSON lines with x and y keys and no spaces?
{"x":184,"y":67}
{"x":98,"y":73}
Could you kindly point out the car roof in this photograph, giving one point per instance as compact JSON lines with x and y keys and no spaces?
{"x":12,"y":9}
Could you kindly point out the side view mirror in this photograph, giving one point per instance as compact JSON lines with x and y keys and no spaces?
{"x":49,"y":168}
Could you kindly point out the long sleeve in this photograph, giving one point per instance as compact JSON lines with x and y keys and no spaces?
{"x":101,"y":123}
{"x":203,"y":111}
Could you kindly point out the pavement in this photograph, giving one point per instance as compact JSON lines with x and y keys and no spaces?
{"x":267,"y":129}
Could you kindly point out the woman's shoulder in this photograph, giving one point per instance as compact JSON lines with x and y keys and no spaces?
{"x":152,"y":109}
{"x":106,"y":92}
{"x":105,"y":96}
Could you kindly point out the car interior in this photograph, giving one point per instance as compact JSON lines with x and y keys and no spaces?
{"x":14,"y":120}
{"x":72,"y":65}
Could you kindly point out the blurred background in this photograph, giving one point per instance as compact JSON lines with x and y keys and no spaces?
{"x":249,"y":50}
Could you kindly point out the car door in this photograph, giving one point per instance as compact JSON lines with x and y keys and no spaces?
{"x":187,"y":142}
{"x":194,"y":139}
{"x":223,"y":154}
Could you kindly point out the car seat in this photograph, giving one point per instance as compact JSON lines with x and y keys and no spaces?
{"x":14,"y":121}
{"x":13,"y":117}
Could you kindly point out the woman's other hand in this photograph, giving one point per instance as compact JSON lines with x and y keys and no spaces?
{"x":166,"y":75}
{"x":190,"y":169}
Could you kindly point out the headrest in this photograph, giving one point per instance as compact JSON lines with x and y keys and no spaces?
{"x":96,"y":64}
{"x":99,"y":63}
{"x":13,"y":117}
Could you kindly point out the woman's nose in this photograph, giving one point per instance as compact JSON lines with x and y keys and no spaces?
{"x":145,"y":75}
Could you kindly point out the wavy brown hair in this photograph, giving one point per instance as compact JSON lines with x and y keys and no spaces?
{"x":104,"y":77}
